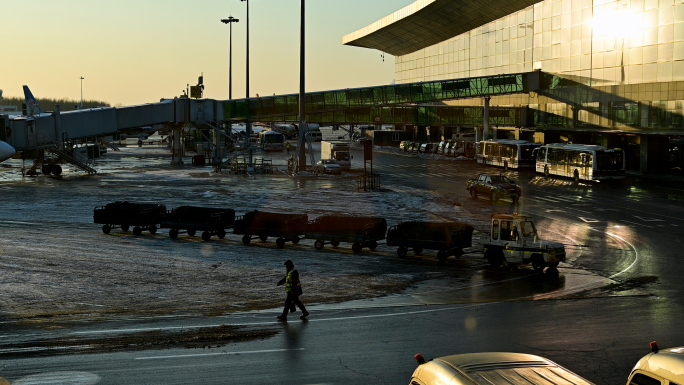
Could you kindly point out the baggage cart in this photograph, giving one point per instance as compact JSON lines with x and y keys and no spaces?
{"x":360,"y":231}
{"x":123,"y":215}
{"x":191,"y":219}
{"x":262,"y":224}
{"x":449,"y":238}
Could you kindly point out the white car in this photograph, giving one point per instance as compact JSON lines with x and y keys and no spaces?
{"x":492,"y":369}
{"x":328,"y":166}
{"x":659,"y":367}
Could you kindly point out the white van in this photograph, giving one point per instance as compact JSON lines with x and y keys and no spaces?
{"x":660,"y":367}
{"x":314,"y":136}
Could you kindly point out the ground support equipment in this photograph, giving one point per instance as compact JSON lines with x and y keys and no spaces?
{"x":191,"y":219}
{"x":261,"y":224}
{"x":449,"y":238}
{"x":360,"y":231}
{"x":123,"y":215}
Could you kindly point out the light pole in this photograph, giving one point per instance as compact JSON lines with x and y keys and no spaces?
{"x":230,"y":22}
{"x":82,"y":91}
{"x":301,"y":161}
{"x":248,"y":124}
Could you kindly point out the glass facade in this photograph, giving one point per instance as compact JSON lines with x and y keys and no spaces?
{"x":594,"y":42}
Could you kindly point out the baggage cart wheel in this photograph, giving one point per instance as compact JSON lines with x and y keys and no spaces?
{"x":417,"y":250}
{"x":442,"y":255}
{"x":356,"y":247}
{"x":319,"y":244}
{"x":221,"y":234}
{"x":106,"y":229}
{"x":401,"y":251}
{"x":206,"y":236}
{"x":334,"y":243}
{"x":263,"y":237}
{"x":153,"y":229}
{"x":137,"y":231}
{"x":173,"y":233}
{"x":280,"y":242}
{"x":192,"y":233}
{"x":295,"y":240}
{"x":372,"y":245}
{"x":246,"y":239}
{"x":124,"y":227}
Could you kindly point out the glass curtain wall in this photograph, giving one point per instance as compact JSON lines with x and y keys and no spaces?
{"x":595,"y":42}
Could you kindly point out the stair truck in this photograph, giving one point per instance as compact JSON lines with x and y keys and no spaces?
{"x":191,"y":219}
{"x":513,"y":240}
{"x":360,"y":231}
{"x":337,"y":150}
{"x":123,"y":215}
{"x":262,"y":224}
{"x":449,"y":238}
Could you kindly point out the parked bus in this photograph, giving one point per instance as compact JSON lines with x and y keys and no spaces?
{"x":507,"y":153}
{"x":581,"y":161}
{"x":271,"y":141}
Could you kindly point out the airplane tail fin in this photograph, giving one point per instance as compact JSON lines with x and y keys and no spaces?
{"x":31,"y":103}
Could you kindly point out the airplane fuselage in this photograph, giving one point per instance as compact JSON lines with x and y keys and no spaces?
{"x":6,"y":151}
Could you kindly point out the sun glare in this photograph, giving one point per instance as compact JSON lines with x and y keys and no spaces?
{"x":615,"y":23}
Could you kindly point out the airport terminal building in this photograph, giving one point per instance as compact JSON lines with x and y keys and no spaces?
{"x":620,"y":64}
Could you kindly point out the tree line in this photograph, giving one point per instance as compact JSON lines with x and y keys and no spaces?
{"x":48,"y":104}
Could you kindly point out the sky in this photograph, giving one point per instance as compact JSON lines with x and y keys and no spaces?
{"x":135,"y":52}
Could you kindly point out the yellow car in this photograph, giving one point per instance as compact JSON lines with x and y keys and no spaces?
{"x":660,"y":367}
{"x":492,"y":369}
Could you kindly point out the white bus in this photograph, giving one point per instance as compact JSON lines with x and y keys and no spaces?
{"x":271,"y":141}
{"x":506,"y":153}
{"x":581,"y":161}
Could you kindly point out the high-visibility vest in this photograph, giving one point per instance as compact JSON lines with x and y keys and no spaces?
{"x":288,"y":282}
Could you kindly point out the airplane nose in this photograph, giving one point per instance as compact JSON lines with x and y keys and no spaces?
{"x":6,"y":151}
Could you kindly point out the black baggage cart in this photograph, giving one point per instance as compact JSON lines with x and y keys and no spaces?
{"x":449,"y":238}
{"x":262,"y":224}
{"x":123,"y":215}
{"x":360,"y":231}
{"x":191,"y":219}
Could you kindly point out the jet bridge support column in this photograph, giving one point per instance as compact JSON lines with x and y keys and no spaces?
{"x":58,"y":127}
{"x":217,"y":148}
{"x":177,"y":146}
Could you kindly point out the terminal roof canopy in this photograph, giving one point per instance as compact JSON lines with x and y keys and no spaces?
{"x":428,"y":22}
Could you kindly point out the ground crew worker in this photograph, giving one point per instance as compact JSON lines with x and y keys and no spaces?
{"x":294,"y":289}
{"x":287,"y":146}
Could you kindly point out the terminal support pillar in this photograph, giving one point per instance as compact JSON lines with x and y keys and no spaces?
{"x":177,"y":147}
{"x":485,"y":119}
{"x":643,"y":154}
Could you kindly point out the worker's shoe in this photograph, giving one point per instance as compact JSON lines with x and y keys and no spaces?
{"x":282,"y":318}
{"x":303,"y":316}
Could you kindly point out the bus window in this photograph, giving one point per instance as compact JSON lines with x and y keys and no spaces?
{"x":541,"y":154}
{"x":495,"y":229}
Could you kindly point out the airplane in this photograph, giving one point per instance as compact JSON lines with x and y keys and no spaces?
{"x":32,"y":106}
{"x":6,"y":151}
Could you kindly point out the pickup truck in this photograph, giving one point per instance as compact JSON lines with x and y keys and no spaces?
{"x":494,"y":186}
{"x":513,"y":240}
